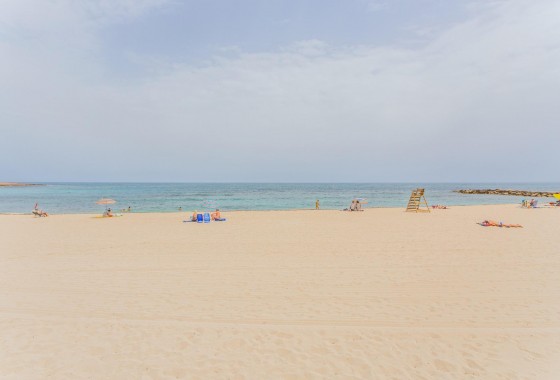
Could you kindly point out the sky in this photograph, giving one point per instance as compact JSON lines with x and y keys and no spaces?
{"x":279,"y":90}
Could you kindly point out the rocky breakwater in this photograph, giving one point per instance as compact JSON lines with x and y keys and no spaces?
{"x":518,"y":193}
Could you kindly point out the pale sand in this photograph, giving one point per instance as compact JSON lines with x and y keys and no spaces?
{"x":267,"y":295}
{"x":17,"y":184}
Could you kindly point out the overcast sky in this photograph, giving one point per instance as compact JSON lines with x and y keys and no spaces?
{"x":279,"y":90}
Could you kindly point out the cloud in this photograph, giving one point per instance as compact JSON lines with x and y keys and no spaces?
{"x":478,"y":101}
{"x":49,"y":15}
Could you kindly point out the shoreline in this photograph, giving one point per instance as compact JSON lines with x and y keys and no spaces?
{"x":244,"y":211}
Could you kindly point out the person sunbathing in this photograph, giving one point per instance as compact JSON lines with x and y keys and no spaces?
{"x":216,"y":215}
{"x":193,"y":217}
{"x":108,"y":213}
{"x":492,"y":223}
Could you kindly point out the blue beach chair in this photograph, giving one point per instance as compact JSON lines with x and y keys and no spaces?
{"x":206,"y":217}
{"x":199,"y":218}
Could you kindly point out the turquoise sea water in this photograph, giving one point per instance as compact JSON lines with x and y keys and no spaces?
{"x":166,"y":197}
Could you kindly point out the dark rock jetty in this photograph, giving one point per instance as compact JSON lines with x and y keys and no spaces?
{"x":518,"y":193}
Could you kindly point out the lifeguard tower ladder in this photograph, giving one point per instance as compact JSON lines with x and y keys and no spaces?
{"x":414,"y":201}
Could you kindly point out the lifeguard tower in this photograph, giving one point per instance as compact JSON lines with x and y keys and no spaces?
{"x":414,"y":203}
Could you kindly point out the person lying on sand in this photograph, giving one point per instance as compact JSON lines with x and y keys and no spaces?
{"x":492,"y":223}
{"x":442,"y":207}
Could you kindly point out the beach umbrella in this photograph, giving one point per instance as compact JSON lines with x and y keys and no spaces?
{"x":106,"y":201}
{"x":557,"y":196}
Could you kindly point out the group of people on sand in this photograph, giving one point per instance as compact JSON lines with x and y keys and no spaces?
{"x":533,"y":203}
{"x":216,"y":215}
{"x":356,"y":205}
{"x":529,"y":204}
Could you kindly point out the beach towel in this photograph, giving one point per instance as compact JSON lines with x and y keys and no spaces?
{"x":220,"y":219}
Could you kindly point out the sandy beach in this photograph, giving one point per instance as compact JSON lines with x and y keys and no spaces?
{"x":380,"y":294}
{"x":17,"y":184}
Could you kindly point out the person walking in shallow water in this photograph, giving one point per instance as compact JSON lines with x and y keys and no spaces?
{"x":317,"y":204}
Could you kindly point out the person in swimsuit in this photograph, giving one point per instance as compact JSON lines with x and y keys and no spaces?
{"x":216,"y":215}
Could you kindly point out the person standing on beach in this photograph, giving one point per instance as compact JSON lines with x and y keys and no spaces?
{"x":317,"y":204}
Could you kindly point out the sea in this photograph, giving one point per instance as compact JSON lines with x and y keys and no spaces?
{"x":61,"y":198}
